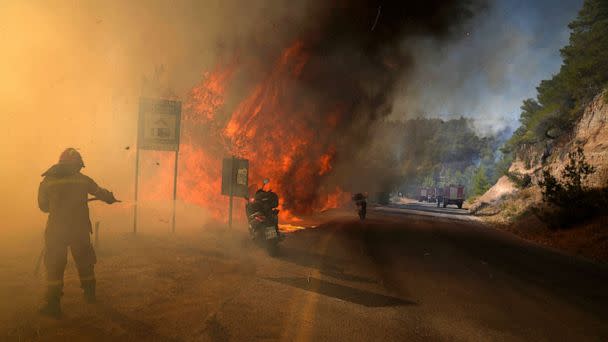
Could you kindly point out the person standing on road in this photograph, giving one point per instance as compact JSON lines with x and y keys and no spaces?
{"x":63,"y":194}
{"x":361,"y":203}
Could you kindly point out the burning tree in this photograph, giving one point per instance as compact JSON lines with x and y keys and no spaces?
{"x":308,"y":114}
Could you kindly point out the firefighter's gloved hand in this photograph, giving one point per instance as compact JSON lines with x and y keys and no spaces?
{"x":111,"y":199}
{"x":106,"y":196}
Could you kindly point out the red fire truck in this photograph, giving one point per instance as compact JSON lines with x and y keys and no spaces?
{"x":439,"y":196}
{"x":431,"y":195}
{"x":453,"y":194}
{"x":423,"y":194}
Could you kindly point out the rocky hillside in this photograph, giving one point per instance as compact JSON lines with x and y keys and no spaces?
{"x":590,"y":133}
{"x":562,"y":131}
{"x":511,"y":206}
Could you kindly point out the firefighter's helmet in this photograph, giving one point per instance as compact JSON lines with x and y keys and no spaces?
{"x":72,"y":157}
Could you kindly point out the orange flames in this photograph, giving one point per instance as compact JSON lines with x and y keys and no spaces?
{"x":277,"y":129}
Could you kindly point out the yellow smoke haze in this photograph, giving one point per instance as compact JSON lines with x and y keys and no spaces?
{"x":71,"y":73}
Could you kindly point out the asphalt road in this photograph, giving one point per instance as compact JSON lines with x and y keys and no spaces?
{"x":427,"y":209}
{"x":398,"y":276}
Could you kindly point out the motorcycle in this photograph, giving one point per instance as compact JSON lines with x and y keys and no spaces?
{"x":263,"y":219}
{"x":361,"y":203}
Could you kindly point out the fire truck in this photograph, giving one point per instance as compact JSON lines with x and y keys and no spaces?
{"x":439,"y":195}
{"x":453,"y":194}
{"x":423,"y":194}
{"x":431,"y":195}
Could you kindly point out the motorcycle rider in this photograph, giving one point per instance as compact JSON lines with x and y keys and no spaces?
{"x":63,"y":194}
{"x":361,"y":203}
{"x":264,"y":202}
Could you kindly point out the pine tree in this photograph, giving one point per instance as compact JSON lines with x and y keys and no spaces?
{"x":586,"y":57}
{"x":480,"y":182}
{"x":583,"y":75}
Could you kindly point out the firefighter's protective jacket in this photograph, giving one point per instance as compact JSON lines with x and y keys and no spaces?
{"x":63,"y":193}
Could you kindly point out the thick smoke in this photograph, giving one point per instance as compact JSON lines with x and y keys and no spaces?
{"x":356,"y":55}
{"x":486,"y":72}
{"x":72,"y":73}
{"x":302,"y":103}
{"x":354,"y":59}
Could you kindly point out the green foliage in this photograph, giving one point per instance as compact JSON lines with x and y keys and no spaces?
{"x":480,"y":182}
{"x":520,"y":181}
{"x":435,"y":152}
{"x":501,"y":168}
{"x":428,"y":182}
{"x":586,"y":71}
{"x":573,"y":201}
{"x":563,"y":194}
{"x":583,"y":75}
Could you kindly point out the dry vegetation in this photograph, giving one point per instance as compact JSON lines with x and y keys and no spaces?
{"x":519,"y":214}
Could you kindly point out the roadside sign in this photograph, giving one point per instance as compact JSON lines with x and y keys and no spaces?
{"x":157,"y":129}
{"x":235,"y":180}
{"x":241,"y":176}
{"x":235,"y":177}
{"x":159,"y":123}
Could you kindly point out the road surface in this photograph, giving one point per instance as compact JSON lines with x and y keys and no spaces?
{"x":398,"y":276}
{"x":427,"y":209}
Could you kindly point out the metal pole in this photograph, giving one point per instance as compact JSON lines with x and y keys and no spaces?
{"x":174,"y":189}
{"x":136,"y":185}
{"x":231,"y":193}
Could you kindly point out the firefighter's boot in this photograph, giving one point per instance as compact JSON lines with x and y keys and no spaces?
{"x":89,"y":291}
{"x":52,"y":307}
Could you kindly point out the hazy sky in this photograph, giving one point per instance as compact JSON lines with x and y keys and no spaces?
{"x":487,"y":73}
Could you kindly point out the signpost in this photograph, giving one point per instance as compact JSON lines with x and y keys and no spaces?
{"x":159,"y":130}
{"x":235,"y":181}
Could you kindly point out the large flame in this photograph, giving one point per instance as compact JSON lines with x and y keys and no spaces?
{"x":274,"y":127}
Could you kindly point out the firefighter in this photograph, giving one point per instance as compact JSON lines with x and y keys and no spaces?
{"x":63,"y":194}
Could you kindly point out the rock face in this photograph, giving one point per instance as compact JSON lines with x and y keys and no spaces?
{"x":590,"y":133}
{"x":499,"y":191}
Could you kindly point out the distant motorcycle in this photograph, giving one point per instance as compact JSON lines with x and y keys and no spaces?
{"x":361,"y":203}
{"x":263,"y":219}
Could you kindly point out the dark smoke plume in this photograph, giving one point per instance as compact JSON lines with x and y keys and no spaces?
{"x":357,"y":52}
{"x":357,"y":49}
{"x":305,"y":96}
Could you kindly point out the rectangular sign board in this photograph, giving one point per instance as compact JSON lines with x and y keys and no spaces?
{"x":159,"y":124}
{"x":235,"y":177}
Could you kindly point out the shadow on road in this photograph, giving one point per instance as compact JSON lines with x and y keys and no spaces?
{"x":134,"y":328}
{"x":325,"y":264}
{"x":350,"y":294}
